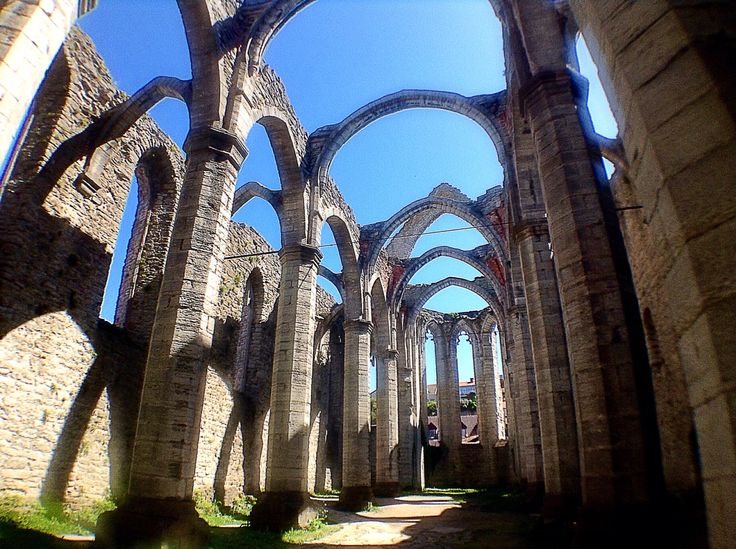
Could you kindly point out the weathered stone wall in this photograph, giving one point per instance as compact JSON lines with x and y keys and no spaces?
{"x":666,"y":71}
{"x":33,"y":32}
{"x":222,"y":461}
{"x":654,"y":235}
{"x":57,"y":245}
{"x":460,"y":471}
{"x":234,"y":419}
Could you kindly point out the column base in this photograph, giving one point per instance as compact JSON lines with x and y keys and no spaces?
{"x":654,"y":525}
{"x":386,"y":489}
{"x":534,"y":495}
{"x":355,"y":498}
{"x":279,"y":511}
{"x":559,"y":508}
{"x":152,"y":522}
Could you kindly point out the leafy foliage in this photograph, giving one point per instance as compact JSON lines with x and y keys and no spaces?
{"x":469,"y":404}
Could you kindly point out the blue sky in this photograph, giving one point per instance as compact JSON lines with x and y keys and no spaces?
{"x":334,"y":57}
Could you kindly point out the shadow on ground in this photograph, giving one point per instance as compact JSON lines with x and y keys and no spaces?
{"x":13,"y":536}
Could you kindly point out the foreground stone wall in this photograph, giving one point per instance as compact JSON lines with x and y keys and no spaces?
{"x":666,"y":71}
{"x":33,"y":32}
{"x":222,"y":463}
{"x":57,"y":240}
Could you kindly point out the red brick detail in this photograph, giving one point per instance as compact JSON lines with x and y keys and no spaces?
{"x":497,"y":268}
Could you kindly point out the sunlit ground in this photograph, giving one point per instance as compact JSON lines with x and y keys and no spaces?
{"x":436,"y":517}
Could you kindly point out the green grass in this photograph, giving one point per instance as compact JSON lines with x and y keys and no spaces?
{"x":230,"y":538}
{"x":495,"y":500}
{"x":54,"y":518}
{"x":316,"y":529}
{"x":237,"y":514}
{"x":215,"y":514}
{"x":327,"y":493}
{"x":25,"y":523}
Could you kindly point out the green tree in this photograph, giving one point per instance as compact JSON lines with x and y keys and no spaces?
{"x":431,"y":407}
{"x":469,"y":403}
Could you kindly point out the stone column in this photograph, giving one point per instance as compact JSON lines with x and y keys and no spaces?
{"x":387,"y":426}
{"x":552,"y":371}
{"x":356,"y":469}
{"x":448,"y":394}
{"x":486,"y":396}
{"x":165,"y":452}
{"x":496,"y":357}
{"x":33,"y":33}
{"x":419,"y":375}
{"x":513,"y":405}
{"x":406,"y":421}
{"x":527,"y":413}
{"x":597,"y":336}
{"x":285,"y":502}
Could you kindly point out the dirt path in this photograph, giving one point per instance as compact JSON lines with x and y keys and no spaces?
{"x":427,"y":521}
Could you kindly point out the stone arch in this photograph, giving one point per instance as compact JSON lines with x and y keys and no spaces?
{"x":279,"y":14}
{"x":334,"y":278}
{"x":463,"y":326}
{"x":158,"y":191}
{"x":207,"y":75}
{"x":427,"y":257}
{"x":380,"y":316}
{"x":436,"y":287}
{"x":351,"y":279}
{"x":336,"y":315}
{"x":268,"y":25}
{"x":459,"y":209}
{"x":246,"y":413}
{"x":290,"y":198}
{"x":480,"y":109}
{"x":94,"y":142}
{"x":253,"y":189}
{"x":283,"y":144}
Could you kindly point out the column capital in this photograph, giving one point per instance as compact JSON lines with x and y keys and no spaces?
{"x":390,"y":354}
{"x":531,"y":227}
{"x":222,"y":143}
{"x":305,"y":253}
{"x":358,"y":325}
{"x":552,"y":82}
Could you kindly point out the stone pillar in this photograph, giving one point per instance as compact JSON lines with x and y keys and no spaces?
{"x":486,"y":396}
{"x":165,"y":453}
{"x":419,"y":375}
{"x":448,"y":394}
{"x":387,"y":426}
{"x":285,"y":503}
{"x":527,"y":413}
{"x":552,"y":371}
{"x":512,"y":399}
{"x":406,"y":420}
{"x":356,"y":469}
{"x":674,"y":104}
{"x":597,"y":336}
{"x":33,"y":32}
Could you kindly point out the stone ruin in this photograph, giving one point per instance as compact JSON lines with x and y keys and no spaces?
{"x":229,"y":371}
